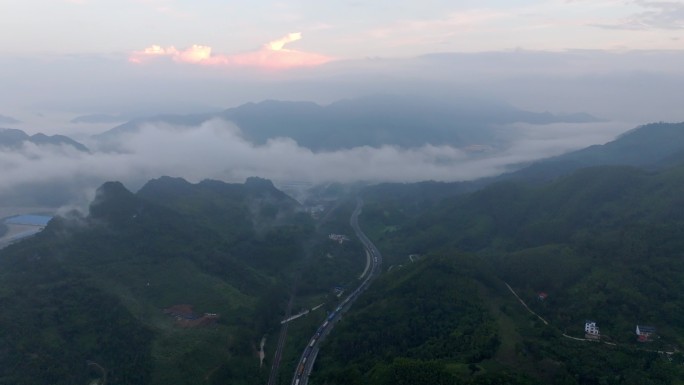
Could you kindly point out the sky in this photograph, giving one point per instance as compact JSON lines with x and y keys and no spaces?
{"x":80,"y":67}
{"x":338,"y":29}
{"x":63,"y":58}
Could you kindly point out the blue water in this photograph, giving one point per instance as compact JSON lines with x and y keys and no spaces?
{"x":32,"y":220}
{"x":24,"y":234}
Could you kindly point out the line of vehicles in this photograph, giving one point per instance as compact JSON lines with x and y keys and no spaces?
{"x":310,"y":352}
{"x":307,"y":352}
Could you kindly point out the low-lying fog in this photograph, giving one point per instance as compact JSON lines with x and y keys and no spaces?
{"x":217,"y":150}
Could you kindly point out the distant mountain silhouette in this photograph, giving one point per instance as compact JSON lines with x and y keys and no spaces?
{"x":369,"y":121}
{"x":99,"y":118}
{"x":651,"y":146}
{"x":4,"y":119}
{"x":13,"y":138}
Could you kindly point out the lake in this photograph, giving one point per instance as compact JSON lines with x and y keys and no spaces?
{"x":29,"y":220}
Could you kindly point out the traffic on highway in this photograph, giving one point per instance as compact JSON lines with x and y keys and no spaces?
{"x":308,"y":357}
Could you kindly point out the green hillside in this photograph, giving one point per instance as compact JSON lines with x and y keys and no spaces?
{"x":413,"y":326}
{"x":448,"y":320}
{"x":606,"y":241}
{"x":178,"y":283}
{"x":603,"y":243}
{"x":651,"y":146}
{"x":111,"y":292}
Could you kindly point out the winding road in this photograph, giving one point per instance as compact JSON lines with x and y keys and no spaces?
{"x":308,"y":358}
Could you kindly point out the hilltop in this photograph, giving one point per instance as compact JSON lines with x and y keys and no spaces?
{"x":651,"y":146}
{"x":11,"y":138}
{"x":379,"y":120}
{"x":176,"y":283}
{"x":654,"y":146}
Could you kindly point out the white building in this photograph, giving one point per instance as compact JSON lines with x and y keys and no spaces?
{"x":591,"y":330}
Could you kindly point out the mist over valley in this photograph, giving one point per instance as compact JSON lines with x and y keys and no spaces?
{"x":341,"y":193}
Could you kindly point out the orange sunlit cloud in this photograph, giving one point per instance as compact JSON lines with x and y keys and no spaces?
{"x":278,"y":45}
{"x":272,"y":55}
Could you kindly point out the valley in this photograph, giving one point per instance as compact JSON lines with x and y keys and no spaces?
{"x":341,"y":193}
{"x":308,"y":358}
{"x":164,"y":269}
{"x":481,"y":282}
{"x":573,"y":239}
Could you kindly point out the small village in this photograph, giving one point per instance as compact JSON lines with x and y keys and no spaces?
{"x":643,"y":333}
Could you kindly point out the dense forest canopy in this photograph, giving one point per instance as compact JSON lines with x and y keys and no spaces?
{"x":603,"y":243}
{"x":483,"y":283}
{"x":176,"y":284}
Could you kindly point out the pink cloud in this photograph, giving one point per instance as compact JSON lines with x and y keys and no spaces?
{"x":272,"y":55}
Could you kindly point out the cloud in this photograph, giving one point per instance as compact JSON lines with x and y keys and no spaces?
{"x":279,"y":44}
{"x":165,"y":7}
{"x":667,"y":15}
{"x":217,"y":150}
{"x":8,"y":120}
{"x":272,"y":55}
{"x":634,"y":86}
{"x":196,"y":54}
{"x":408,"y":32}
{"x":101,"y":118}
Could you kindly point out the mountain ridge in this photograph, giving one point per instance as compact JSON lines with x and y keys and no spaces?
{"x":653,"y":146}
{"x":134,"y":255}
{"x":12,"y":138}
{"x":366,"y":121}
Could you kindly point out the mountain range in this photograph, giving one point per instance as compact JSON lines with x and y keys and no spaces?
{"x":651,"y":146}
{"x":11,"y":138}
{"x":526,"y":264}
{"x":174,"y":284}
{"x":375,"y":124}
{"x":99,"y":284}
{"x":8,"y":120}
{"x":178,"y":282}
{"x":370,"y":121}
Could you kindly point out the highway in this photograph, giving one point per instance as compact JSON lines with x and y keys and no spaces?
{"x":308,"y":357}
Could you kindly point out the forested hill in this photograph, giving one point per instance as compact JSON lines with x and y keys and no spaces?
{"x":650,"y":147}
{"x":90,"y":292}
{"x":604,"y":244}
{"x":257,"y":199}
{"x":446,"y":319}
{"x":512,"y":215}
{"x":427,"y":323}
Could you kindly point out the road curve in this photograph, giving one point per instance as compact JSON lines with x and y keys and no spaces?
{"x":306,"y":361}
